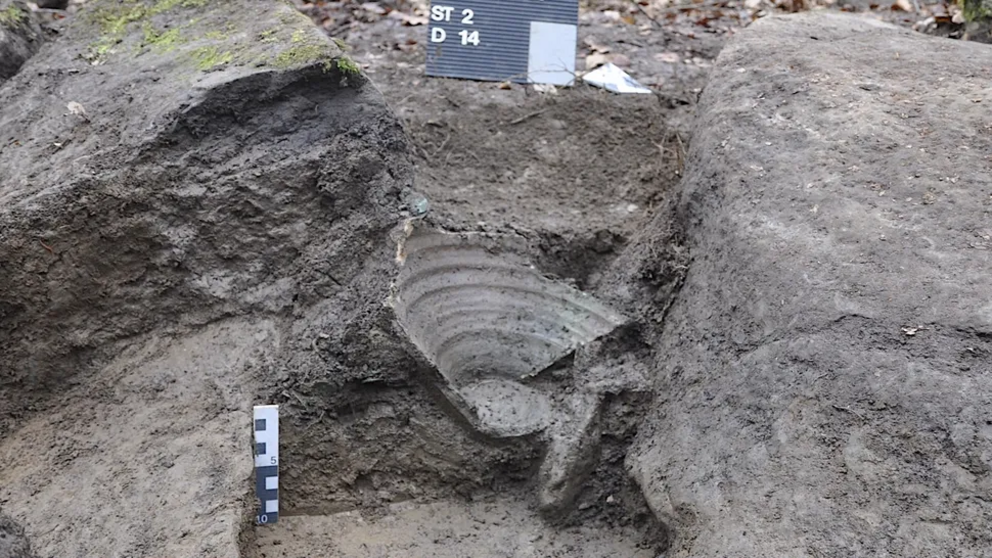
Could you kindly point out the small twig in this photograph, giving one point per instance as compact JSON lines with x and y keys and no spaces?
{"x":850,"y":410}
{"x":526,"y":117}
{"x":442,"y":146}
{"x":699,"y":6}
{"x":47,"y":247}
{"x":423,"y":153}
{"x":680,"y":154}
{"x":333,"y":32}
{"x":315,"y":421}
{"x":298,"y":398}
{"x":646,"y":13}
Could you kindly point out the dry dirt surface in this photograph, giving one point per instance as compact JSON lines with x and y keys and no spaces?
{"x":498,"y":322}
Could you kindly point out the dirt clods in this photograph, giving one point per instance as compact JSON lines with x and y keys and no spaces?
{"x":13,"y":542}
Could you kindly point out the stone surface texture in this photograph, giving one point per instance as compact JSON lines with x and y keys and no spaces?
{"x":825,"y":371}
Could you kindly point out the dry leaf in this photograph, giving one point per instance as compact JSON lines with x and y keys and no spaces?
{"x":409,"y":46}
{"x":505,"y":85}
{"x":667,"y":57}
{"x":628,"y":19}
{"x":546,"y":88}
{"x":596,"y":46}
{"x":903,"y":5}
{"x":621,"y":60}
{"x":374,"y":7}
{"x":78,"y":110}
{"x":420,"y":7}
{"x":408,"y":19}
{"x":752,"y":4}
{"x":596,"y":60}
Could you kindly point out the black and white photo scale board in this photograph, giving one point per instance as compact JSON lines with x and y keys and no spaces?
{"x":266,"y":427}
{"x":524,"y":41}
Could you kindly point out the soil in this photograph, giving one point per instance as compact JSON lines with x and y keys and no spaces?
{"x":447,"y":529}
{"x":244,"y":260}
{"x":576,"y":172}
{"x":593,"y":177}
{"x":213,"y":320}
{"x":13,"y":542}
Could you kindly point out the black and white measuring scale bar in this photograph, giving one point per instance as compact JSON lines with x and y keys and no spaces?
{"x":526,"y":41}
{"x":267,"y":463}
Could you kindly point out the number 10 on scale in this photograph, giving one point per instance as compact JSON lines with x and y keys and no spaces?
{"x":446,"y":13}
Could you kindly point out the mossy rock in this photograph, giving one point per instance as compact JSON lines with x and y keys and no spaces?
{"x":159,"y":149}
{"x":207,"y":35}
{"x":13,"y":15}
{"x":977,"y":10}
{"x":20,"y":37}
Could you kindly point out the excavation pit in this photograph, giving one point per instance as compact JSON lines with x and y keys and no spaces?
{"x":226,"y":245}
{"x":513,"y":428}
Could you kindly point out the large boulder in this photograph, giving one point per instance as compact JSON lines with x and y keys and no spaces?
{"x":177,"y":162}
{"x":20,"y":37}
{"x":825,"y":371}
{"x":185,"y":186}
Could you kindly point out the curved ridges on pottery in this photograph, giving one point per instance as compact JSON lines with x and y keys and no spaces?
{"x":476,"y":308}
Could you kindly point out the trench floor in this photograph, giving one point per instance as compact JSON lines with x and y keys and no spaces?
{"x":503,"y":528}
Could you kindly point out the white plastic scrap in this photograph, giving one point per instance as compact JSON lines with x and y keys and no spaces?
{"x":610,"y":77}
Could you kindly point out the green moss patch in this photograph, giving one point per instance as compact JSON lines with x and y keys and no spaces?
{"x":12,"y":16}
{"x":210,"y":57}
{"x":347,"y":66}
{"x":114,"y":19}
{"x":976,"y":10}
{"x":303,"y":55}
{"x":206,"y":42}
{"x":165,"y":5}
{"x":268,"y":36}
{"x":162,"y":41}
